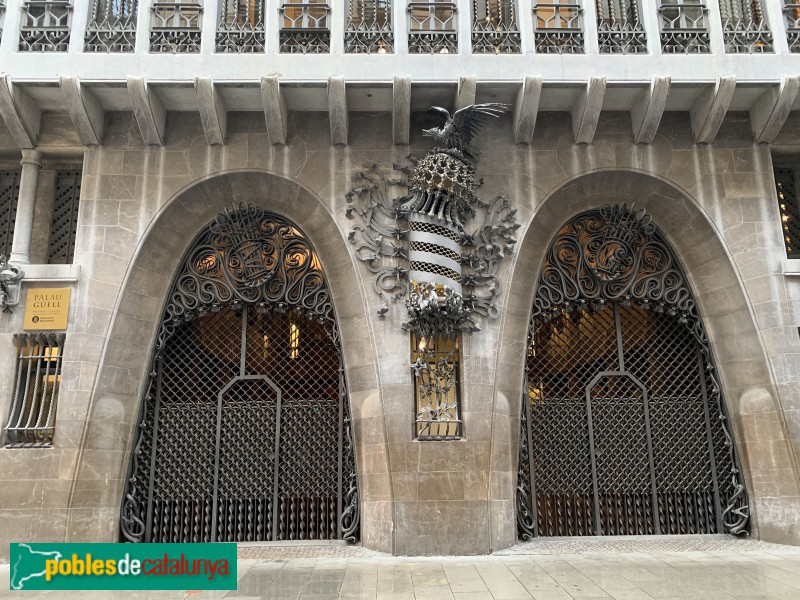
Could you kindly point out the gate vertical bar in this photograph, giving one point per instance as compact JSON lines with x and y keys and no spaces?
{"x":148,"y":532}
{"x":618,"y":328}
{"x":715,"y":482}
{"x":595,"y":491}
{"x":654,"y":490}
{"x":528,"y":415}
{"x":275,"y":479}
{"x":342,"y":400}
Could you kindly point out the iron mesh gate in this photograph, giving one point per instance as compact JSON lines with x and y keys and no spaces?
{"x":623,"y":428}
{"x":245,"y":429}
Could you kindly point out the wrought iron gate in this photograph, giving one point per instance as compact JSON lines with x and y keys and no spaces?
{"x":623,"y":428}
{"x":245,"y":427}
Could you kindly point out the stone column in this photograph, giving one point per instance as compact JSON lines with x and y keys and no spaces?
{"x":23,"y":226}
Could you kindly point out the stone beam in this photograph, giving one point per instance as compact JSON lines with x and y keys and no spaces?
{"x":465,"y":94}
{"x":275,"y":111}
{"x":526,"y":109}
{"x":710,"y":108}
{"x":770,"y":111}
{"x":213,"y":114}
{"x":401,"y":110}
{"x":337,"y":110}
{"x":586,"y":111}
{"x":647,"y":110}
{"x":84,"y":109}
{"x":148,"y":110}
{"x":20,"y":112}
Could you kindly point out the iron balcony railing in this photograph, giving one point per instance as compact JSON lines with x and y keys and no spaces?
{"x":619,"y":27}
{"x":241,"y":26}
{"x":557,"y":27}
{"x":369,"y":27}
{"x":305,"y":27}
{"x":791,"y":17}
{"x":684,"y":27}
{"x":743,"y":26}
{"x":112,"y":27}
{"x":175,"y":27}
{"x":45,"y":26}
{"x":495,"y":29}
{"x":432,"y":27}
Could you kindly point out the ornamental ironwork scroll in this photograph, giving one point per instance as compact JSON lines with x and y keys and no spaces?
{"x":245,"y":430}
{"x":426,"y":236}
{"x":624,"y":428}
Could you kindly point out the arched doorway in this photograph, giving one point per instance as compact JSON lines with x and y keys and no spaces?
{"x":624,"y":428}
{"x":245,"y":430}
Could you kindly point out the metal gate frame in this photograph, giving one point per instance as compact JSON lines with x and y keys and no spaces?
{"x":616,"y":256}
{"x":246,"y":259}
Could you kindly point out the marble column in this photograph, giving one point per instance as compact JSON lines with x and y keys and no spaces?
{"x":23,"y":226}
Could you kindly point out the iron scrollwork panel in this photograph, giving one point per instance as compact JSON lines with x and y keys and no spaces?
{"x":247,"y":367}
{"x":612,"y":297}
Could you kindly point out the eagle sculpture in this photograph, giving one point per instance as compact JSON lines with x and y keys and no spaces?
{"x":458,"y":130}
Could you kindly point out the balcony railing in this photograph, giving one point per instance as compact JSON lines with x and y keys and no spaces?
{"x":743,"y":26}
{"x":684,"y":27}
{"x":791,"y":16}
{"x":432,"y":27}
{"x":619,"y":27}
{"x":112,"y":27}
{"x":305,"y":27}
{"x":495,"y":29}
{"x":175,"y":27}
{"x":369,"y":27}
{"x":45,"y":26}
{"x":557,"y":27}
{"x":241,"y":26}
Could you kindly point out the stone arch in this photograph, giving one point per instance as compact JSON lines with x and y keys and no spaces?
{"x":118,"y":386}
{"x":735,"y":341}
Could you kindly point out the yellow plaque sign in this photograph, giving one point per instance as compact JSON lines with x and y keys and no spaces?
{"x":46,"y":308}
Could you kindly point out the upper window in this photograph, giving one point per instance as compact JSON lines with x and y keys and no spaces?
{"x":786,"y":187}
{"x":9,"y":194}
{"x":65,"y":218}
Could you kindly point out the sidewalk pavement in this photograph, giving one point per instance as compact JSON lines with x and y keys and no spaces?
{"x":657,"y":568}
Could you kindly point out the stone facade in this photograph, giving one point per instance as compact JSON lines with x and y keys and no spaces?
{"x":142,"y":206}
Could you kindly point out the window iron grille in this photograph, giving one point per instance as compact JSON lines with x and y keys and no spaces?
{"x":369,"y":27}
{"x":558,"y":27}
{"x":9,"y":195}
{"x":791,"y":17}
{"x":619,"y":27}
{"x":624,"y":429}
{"x":241,"y":26}
{"x":495,"y":29}
{"x":112,"y":27}
{"x":744,"y":28}
{"x":31,"y":420}
{"x":63,"y":229}
{"x":432,"y":27}
{"x":305,"y":27}
{"x":45,"y":26}
{"x":435,"y":363}
{"x":684,"y":27}
{"x":175,"y":27}
{"x":786,"y":188}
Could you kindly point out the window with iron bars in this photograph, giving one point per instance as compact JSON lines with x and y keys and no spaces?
{"x":45,"y":26}
{"x":557,"y":27}
{"x":495,"y":29}
{"x":305,"y":27}
{"x":175,"y":27}
{"x":432,"y":27}
{"x":744,"y":28}
{"x":786,"y":188}
{"x":369,"y":27}
{"x":64,"y":226}
{"x":31,"y":420}
{"x":619,"y":27}
{"x":9,"y":195}
{"x":112,"y":26}
{"x":791,"y":16}
{"x":241,"y":26}
{"x":435,"y":362}
{"x":684,"y":26}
